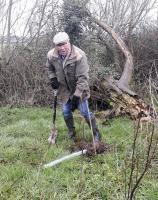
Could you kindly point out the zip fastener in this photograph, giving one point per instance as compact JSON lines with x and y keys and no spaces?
{"x":63,"y":66}
{"x":66,"y":79}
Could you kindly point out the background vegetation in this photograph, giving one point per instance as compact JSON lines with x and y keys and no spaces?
{"x":23,"y":76}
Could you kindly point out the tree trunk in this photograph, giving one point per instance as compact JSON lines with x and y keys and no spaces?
{"x":125,"y":101}
{"x":9,"y":24}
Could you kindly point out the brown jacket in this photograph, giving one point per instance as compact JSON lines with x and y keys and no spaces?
{"x":72,"y":73}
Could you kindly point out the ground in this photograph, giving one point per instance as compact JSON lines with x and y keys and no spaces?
{"x":24,"y":148}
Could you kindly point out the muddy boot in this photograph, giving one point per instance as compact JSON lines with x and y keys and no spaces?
{"x":71,"y":129}
{"x":96,"y":134}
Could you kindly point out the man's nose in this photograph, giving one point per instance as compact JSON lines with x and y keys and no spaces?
{"x":62,"y":47}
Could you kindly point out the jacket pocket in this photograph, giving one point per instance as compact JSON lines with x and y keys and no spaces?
{"x":71,"y":69}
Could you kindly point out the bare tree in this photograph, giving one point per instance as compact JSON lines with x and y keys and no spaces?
{"x":108,"y":25}
{"x":122,"y":15}
{"x":9,"y":23}
{"x":125,"y":100}
{"x":142,"y":158}
{"x":26,"y":62}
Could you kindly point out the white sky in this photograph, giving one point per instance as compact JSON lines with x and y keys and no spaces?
{"x":20,"y":12}
{"x":22,"y":9}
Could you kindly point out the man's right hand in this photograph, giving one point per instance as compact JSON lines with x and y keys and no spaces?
{"x":75,"y":103}
{"x":54,"y":83}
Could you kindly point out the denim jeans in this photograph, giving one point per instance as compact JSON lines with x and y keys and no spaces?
{"x":83,"y":107}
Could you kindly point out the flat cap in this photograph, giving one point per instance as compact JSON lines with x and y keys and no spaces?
{"x":60,"y":37}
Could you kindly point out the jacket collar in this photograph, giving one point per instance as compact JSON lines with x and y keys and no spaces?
{"x":74,"y":54}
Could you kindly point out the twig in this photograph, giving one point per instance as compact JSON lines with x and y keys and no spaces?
{"x":148,"y":161}
{"x":133,"y":163}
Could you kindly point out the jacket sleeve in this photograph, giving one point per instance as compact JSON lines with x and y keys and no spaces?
{"x":51,"y":69}
{"x":82,"y":76}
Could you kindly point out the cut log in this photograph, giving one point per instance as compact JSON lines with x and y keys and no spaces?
{"x":123,"y":103}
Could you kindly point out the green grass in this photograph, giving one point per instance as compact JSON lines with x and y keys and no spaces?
{"x":23,"y":148}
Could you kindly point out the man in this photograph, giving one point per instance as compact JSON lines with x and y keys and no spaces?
{"x":68,"y":73}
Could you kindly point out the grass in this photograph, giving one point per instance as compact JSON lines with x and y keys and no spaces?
{"x":23,"y":148}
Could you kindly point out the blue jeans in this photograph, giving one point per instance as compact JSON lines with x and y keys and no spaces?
{"x":83,"y":107}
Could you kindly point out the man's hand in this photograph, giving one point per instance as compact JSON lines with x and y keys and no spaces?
{"x":54,"y":83}
{"x":75,"y":102}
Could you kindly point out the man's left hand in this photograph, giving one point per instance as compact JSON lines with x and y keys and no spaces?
{"x":75,"y":102}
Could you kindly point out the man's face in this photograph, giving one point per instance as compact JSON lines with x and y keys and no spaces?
{"x":63,"y":48}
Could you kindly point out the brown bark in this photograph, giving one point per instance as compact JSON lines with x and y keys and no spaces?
{"x":125,"y":101}
{"x":122,"y":103}
{"x":126,"y":76}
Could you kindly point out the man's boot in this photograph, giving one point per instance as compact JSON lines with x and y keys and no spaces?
{"x":96,"y":133}
{"x":71,"y":129}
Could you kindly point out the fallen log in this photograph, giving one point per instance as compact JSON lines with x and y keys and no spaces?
{"x":122,"y":103}
{"x":124,"y":100}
